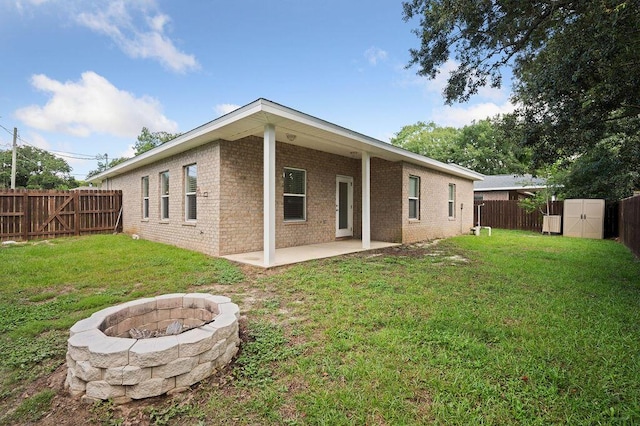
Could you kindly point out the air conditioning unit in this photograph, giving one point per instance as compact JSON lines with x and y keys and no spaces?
{"x":551,"y":224}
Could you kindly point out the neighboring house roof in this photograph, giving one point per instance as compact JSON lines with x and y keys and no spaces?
{"x":509,"y":183}
{"x":293,"y":127}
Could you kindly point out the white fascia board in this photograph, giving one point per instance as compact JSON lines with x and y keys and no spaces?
{"x":174,"y":145}
{"x":368,"y":141}
{"x":375,"y":146}
{"x":508,"y":188}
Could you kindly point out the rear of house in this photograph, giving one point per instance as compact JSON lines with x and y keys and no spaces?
{"x":206,"y":190}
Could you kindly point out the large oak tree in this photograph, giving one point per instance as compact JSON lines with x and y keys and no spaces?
{"x":575,"y":65}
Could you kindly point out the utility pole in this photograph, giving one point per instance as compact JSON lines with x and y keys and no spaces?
{"x":13,"y":158}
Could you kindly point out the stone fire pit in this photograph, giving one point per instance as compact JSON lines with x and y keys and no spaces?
{"x":104,"y":362}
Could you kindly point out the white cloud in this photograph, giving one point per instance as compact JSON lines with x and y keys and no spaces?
{"x":222,"y":109}
{"x":375,"y":54}
{"x":19,"y":3}
{"x":408,"y":78}
{"x":36,"y":139}
{"x":488,"y":102}
{"x":129,"y":152}
{"x":93,"y":105}
{"x":143,"y":37}
{"x":458,"y":116}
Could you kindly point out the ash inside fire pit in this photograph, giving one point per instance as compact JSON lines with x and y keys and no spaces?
{"x":174,"y":328}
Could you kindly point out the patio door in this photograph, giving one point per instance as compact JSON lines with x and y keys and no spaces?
{"x":344,"y":206}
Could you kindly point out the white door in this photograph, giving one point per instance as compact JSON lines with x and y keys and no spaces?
{"x":344,"y":206}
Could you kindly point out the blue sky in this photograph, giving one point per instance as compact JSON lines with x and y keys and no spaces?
{"x":84,"y":77}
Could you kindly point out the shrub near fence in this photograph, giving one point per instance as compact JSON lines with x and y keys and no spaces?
{"x":29,"y":214}
{"x":630,"y":223}
{"x":507,"y":214}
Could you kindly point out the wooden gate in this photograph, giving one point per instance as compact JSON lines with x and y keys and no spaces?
{"x":26,"y":214}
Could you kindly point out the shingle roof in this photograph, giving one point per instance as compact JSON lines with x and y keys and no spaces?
{"x":509,"y":182}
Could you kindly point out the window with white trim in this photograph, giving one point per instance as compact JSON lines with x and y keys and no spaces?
{"x":190,"y":188}
{"x":145,"y":197}
{"x":295,"y":194}
{"x":414,"y":197}
{"x":164,"y":195}
{"x":452,"y":200}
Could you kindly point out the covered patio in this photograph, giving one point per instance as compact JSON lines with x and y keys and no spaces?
{"x":298,"y":254}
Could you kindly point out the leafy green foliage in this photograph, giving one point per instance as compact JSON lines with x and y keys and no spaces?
{"x":428,"y":139}
{"x":105,"y":164}
{"x":609,"y":170}
{"x":148,"y":140}
{"x":574,"y":67}
{"x":554,"y":177}
{"x":36,"y":169}
{"x":481,"y":146}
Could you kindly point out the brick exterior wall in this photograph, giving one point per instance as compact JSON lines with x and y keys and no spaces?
{"x":201,"y":235}
{"x":241,"y":195}
{"x":230,"y":199}
{"x":386,"y":201}
{"x":434,"y":221}
{"x":241,"y":181}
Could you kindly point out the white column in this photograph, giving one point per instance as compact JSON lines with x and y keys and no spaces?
{"x":269,"y":188}
{"x":366,"y":200}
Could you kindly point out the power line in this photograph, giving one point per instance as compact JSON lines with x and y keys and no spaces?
{"x":72,"y":155}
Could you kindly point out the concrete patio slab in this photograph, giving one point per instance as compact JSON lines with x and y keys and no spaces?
{"x":291,"y":255}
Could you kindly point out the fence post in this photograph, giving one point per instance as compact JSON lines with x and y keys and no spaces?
{"x":76,"y":212}
{"x":26,"y":217}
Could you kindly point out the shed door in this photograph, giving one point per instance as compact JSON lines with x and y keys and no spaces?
{"x":583,"y":218}
{"x":593,"y":223}
{"x":344,"y":206}
{"x":572,"y":218}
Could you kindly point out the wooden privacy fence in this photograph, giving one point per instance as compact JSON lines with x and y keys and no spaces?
{"x":630,"y":223}
{"x":507,"y":214}
{"x":30,"y":214}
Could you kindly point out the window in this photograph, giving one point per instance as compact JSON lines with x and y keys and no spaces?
{"x":145,"y":197}
{"x":295,"y":194}
{"x":452,"y":200}
{"x":190,"y":187}
{"x":164,"y":195}
{"x":414,"y":197}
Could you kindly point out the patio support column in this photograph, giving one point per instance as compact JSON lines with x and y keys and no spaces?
{"x":366,"y":200}
{"x":269,"y":190}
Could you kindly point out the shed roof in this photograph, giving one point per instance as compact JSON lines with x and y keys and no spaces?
{"x":292,"y":127}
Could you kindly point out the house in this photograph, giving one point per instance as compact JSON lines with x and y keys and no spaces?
{"x":267,"y":177}
{"x":507,"y":187}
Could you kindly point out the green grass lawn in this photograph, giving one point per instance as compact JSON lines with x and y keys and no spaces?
{"x":510,"y":329}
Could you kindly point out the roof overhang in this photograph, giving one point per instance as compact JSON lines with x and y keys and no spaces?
{"x":292,"y":127}
{"x":510,"y":188}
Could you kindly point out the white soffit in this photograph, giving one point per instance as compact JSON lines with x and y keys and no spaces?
{"x":310,"y":132}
